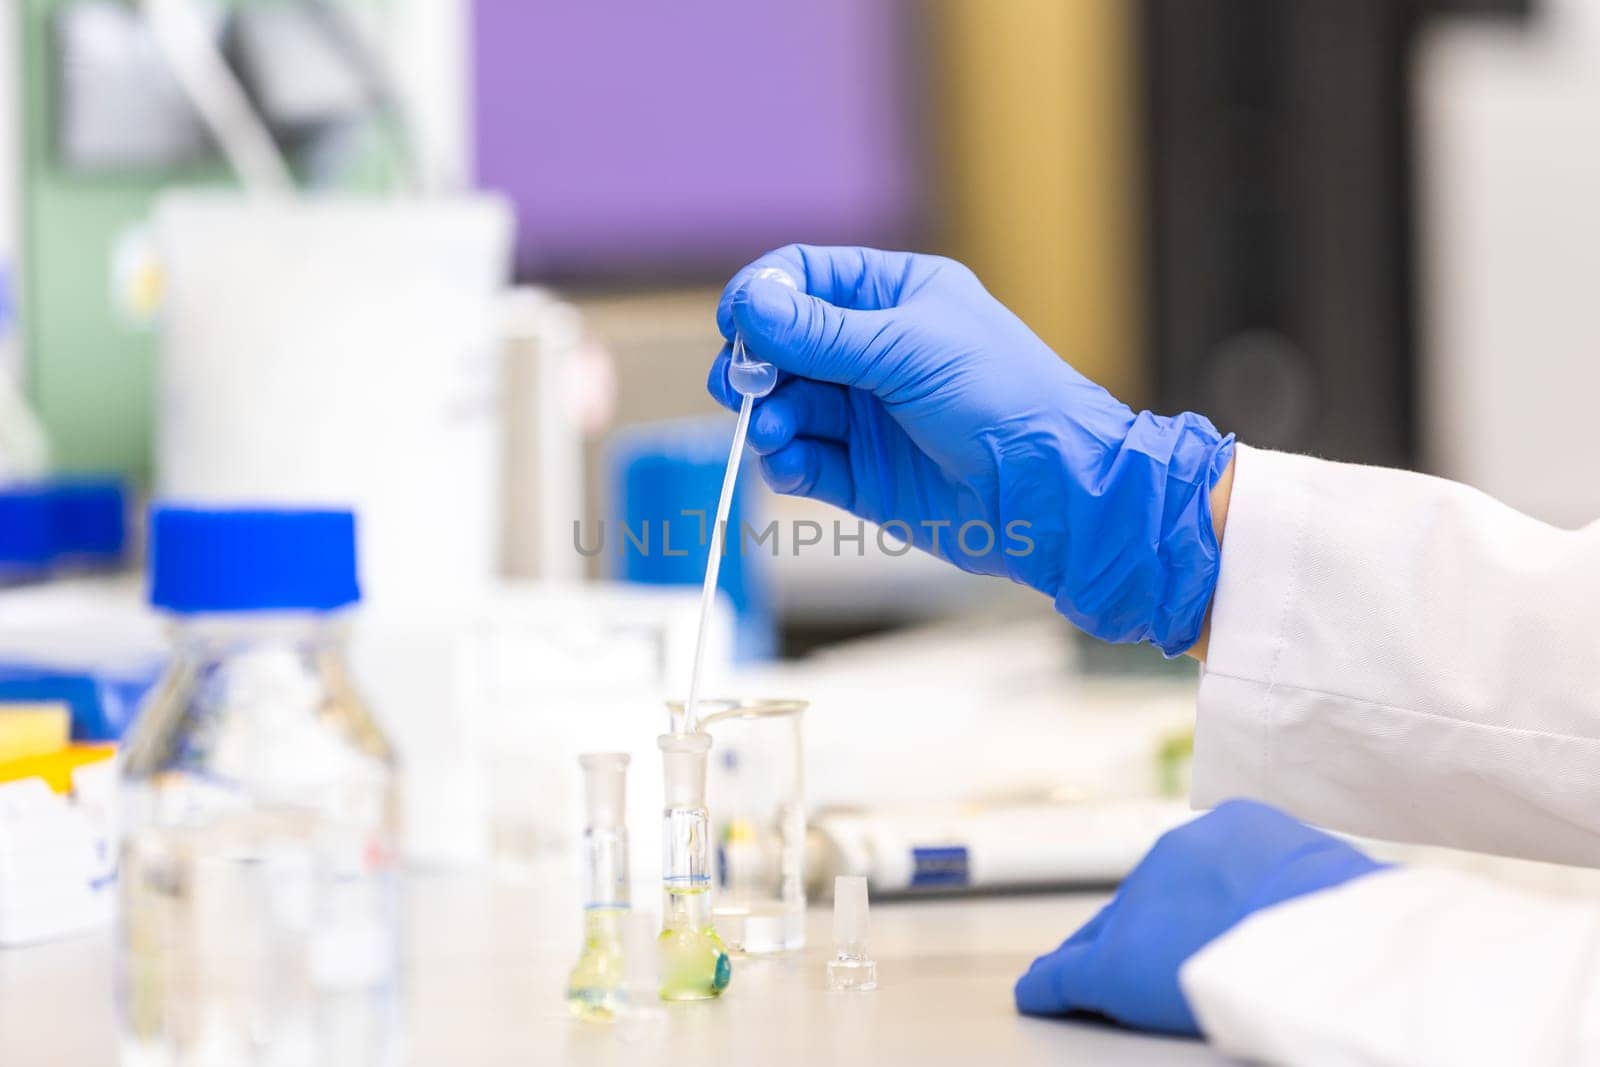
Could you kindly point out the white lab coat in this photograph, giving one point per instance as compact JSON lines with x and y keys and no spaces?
{"x":1402,"y":657}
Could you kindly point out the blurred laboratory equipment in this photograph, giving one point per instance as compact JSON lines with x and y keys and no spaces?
{"x":666,"y":482}
{"x":30,"y":730}
{"x":260,"y":898}
{"x":90,"y":516}
{"x":26,"y":548}
{"x":149,"y":88}
{"x":595,"y":984}
{"x":557,"y":389}
{"x":694,"y":964}
{"x":57,"y":527}
{"x":1508,"y":167}
{"x":57,"y":861}
{"x":24,"y":448}
{"x":173,"y":81}
{"x":986,"y":848}
{"x":756,"y":792}
{"x":120,"y":103}
{"x":87,"y":643}
{"x":102,"y":696}
{"x":851,"y":969}
{"x":341,"y":351}
{"x":11,"y":228}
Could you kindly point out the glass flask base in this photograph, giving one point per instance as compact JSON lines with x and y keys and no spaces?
{"x":593,"y":988}
{"x":694,"y":965}
{"x":852,"y":974}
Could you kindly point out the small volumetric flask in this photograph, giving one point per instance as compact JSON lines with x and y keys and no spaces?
{"x":260,"y":919}
{"x":851,"y":969}
{"x":694,"y":961}
{"x":596,"y":981}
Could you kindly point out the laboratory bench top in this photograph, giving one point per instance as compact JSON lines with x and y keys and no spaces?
{"x":487,"y":964}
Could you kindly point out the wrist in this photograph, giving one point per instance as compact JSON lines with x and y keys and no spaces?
{"x":1135,"y":545}
{"x":1221,"y":494}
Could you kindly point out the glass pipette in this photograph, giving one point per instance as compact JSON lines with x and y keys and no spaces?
{"x":752,"y":378}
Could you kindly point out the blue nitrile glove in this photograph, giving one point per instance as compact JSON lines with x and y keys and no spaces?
{"x":914,"y":399}
{"x":1195,"y":885}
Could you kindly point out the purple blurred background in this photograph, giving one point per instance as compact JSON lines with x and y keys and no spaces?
{"x":640,"y":137}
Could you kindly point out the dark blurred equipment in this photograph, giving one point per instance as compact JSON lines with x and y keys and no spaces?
{"x":299,"y":73}
{"x":1280,"y":219}
{"x":120,"y":106}
{"x":306,"y":67}
{"x":317,"y":80}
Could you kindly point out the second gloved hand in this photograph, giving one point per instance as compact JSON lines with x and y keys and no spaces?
{"x":1195,"y":885}
{"x":914,"y":399}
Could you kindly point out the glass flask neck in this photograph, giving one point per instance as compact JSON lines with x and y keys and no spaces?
{"x":251,"y":696}
{"x":204,"y":637}
{"x":686,"y":841}
{"x":606,"y":868}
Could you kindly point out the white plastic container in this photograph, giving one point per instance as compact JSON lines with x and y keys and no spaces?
{"x":341,"y":351}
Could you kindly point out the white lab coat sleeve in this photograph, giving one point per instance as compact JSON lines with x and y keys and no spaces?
{"x":1403,"y":657}
{"x":1405,"y":967}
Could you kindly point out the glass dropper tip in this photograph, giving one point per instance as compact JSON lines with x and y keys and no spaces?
{"x":749,"y":376}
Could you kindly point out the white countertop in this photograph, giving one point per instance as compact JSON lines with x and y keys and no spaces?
{"x":487,"y":970}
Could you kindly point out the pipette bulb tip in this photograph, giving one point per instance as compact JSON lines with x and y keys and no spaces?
{"x":753,"y":379}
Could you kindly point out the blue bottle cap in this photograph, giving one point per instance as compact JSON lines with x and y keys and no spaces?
{"x":90,"y":519}
{"x":205,"y":560}
{"x":26,"y":543}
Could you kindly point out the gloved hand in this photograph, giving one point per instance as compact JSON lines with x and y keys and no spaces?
{"x":914,"y":399}
{"x":1198,"y":881}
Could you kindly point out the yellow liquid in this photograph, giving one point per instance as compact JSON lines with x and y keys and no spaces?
{"x":694,"y":961}
{"x":593,"y":987}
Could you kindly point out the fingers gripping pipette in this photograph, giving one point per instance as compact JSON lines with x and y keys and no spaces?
{"x":752,"y":378}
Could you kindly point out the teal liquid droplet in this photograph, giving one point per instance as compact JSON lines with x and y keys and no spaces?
{"x":719,"y":981}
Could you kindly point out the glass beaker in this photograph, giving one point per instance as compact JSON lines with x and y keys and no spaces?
{"x":756,"y":795}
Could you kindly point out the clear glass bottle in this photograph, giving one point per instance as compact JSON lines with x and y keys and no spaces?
{"x":595,"y":985}
{"x":260,"y":918}
{"x":694,"y":961}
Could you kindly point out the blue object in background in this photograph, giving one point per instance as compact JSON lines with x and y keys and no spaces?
{"x":90,"y":520}
{"x":658,"y":472}
{"x":26,"y":542}
{"x":45,"y":524}
{"x":103,"y":705}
